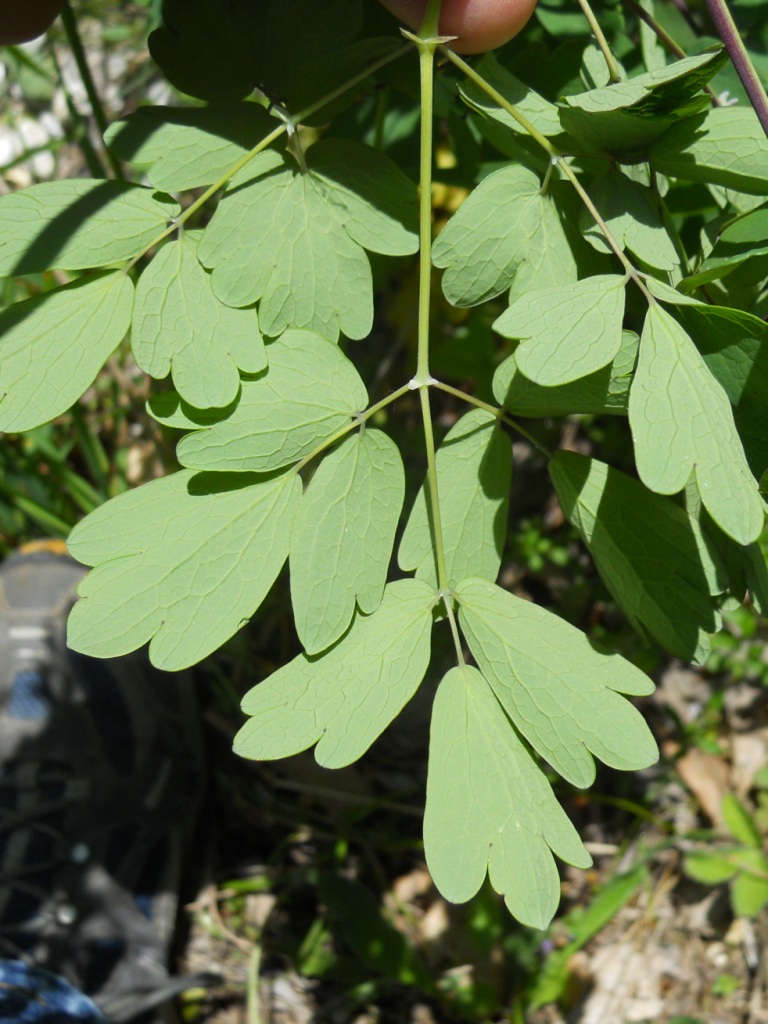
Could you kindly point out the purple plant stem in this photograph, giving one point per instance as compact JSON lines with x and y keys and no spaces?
{"x":737,"y":51}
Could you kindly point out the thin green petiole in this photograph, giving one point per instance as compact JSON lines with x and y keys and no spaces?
{"x":426,"y":65}
{"x":496,"y":96}
{"x":352,"y":425}
{"x":494,"y":410}
{"x":454,"y":631}
{"x":434,"y":498}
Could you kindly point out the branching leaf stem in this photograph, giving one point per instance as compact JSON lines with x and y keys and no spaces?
{"x":360,"y":420}
{"x":281,"y":129}
{"x":496,"y":411}
{"x":558,"y":158}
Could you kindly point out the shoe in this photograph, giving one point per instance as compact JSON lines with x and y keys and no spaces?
{"x":100,"y":782}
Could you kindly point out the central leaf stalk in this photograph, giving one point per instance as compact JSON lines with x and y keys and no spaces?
{"x":427,"y":41}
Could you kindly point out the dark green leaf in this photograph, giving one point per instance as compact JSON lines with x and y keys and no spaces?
{"x":646,"y":552}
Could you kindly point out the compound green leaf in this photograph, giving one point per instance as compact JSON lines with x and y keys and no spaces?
{"x":295,"y":241}
{"x":344,"y":699}
{"x":179,"y":326}
{"x":310,"y":391}
{"x":53,"y":346}
{"x":671,"y":88}
{"x":182,"y":562}
{"x":474,"y":471}
{"x":561,"y":692}
{"x":682,"y":423}
{"x":489,"y":806}
{"x":726,"y":147}
{"x":185,"y":147}
{"x":646,"y":551}
{"x":567,"y":332}
{"x":632,"y":213}
{"x":625,"y":117}
{"x":343,"y":535}
{"x":490,"y":236}
{"x":542,"y":114}
{"x":606,"y":391}
{"x":734,"y":346}
{"x":78,"y":224}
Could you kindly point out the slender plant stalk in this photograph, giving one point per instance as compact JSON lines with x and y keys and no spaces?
{"x":494,"y":411}
{"x":97,"y":109}
{"x":430,"y":25}
{"x":737,"y":51}
{"x":602,"y":42}
{"x":423,"y":376}
{"x":427,"y":41}
{"x":455,"y":634}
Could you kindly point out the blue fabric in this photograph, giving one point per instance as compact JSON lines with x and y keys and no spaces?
{"x":30,"y":995}
{"x":30,"y":697}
